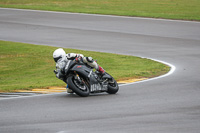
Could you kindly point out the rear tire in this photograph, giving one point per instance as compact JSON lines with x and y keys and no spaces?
{"x":73,"y":85}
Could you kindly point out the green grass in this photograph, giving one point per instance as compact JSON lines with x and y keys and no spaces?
{"x":27,"y":66}
{"x":171,"y":9}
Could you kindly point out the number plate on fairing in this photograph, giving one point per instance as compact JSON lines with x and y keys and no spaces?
{"x":95,"y":88}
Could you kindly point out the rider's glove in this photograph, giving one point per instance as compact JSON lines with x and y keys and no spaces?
{"x":77,"y":59}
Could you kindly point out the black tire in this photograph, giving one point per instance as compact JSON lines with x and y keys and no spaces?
{"x":72,"y":85}
{"x":113,"y":87}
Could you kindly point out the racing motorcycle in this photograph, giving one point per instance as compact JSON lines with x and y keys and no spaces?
{"x":82,"y":80}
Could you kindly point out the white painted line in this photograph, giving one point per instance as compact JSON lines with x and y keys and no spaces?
{"x":172,"y":69}
{"x":115,"y":16}
{"x":37,"y":95}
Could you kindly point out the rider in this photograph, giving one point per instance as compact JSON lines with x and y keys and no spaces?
{"x":61,"y":59}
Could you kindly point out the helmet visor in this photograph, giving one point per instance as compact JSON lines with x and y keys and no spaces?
{"x":56,"y":59}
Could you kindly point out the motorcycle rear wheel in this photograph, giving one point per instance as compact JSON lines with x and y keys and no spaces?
{"x":80,"y":89}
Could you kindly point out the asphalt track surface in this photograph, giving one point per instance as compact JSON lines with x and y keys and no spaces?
{"x":165,"y":105}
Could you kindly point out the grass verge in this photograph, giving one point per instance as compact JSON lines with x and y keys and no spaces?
{"x":27,"y":66}
{"x":170,"y":9}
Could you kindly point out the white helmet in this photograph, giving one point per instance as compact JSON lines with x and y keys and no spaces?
{"x":59,"y":54}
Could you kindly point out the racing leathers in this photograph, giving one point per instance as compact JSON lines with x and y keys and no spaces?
{"x":61,"y":64}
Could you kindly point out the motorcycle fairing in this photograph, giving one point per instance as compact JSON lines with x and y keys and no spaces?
{"x":95,"y":85}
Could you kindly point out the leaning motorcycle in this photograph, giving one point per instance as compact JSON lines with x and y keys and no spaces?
{"x":82,"y":80}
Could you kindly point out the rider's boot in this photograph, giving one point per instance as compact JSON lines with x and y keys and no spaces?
{"x":101,"y":71}
{"x":69,"y":90}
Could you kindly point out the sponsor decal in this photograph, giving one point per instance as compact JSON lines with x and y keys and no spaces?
{"x":98,"y":87}
{"x":95,"y":87}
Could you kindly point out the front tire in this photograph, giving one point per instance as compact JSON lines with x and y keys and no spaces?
{"x":80,"y":89}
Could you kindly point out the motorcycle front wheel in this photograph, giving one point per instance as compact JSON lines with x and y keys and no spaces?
{"x":78,"y":86}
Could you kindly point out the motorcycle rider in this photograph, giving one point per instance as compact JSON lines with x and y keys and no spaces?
{"x":61,"y":59}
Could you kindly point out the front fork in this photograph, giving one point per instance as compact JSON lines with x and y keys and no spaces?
{"x":77,"y":77}
{"x":81,"y":80}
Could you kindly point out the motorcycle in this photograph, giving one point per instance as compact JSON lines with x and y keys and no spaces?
{"x":82,"y":80}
